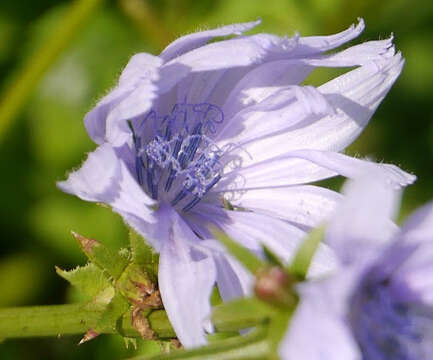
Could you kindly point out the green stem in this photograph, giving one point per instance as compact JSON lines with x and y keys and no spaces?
{"x":45,"y":320}
{"x":55,"y":320}
{"x":252,"y":346}
{"x":14,"y":96}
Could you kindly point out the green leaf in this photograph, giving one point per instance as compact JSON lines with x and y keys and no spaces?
{"x":252,"y":346}
{"x":219,"y":336}
{"x":134,"y":283}
{"x":240,"y":314}
{"x":143,"y":254}
{"x":271,"y":257}
{"x":302,"y":260}
{"x":215,"y":297}
{"x":277,"y":328}
{"x":88,"y":279}
{"x":242,"y":254}
{"x":112,"y":314}
{"x":103,"y":257}
{"x":160,"y":323}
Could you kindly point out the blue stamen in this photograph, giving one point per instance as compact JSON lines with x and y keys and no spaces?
{"x":139,"y":169}
{"x":150,"y":182}
{"x":149,"y":177}
{"x":213,"y":183}
{"x":197,"y":198}
{"x":205,"y":165}
{"x":196,"y":140}
{"x":134,"y":137}
{"x":182,"y":159}
{"x":138,"y":162}
{"x":194,"y":146}
{"x":179,"y":151}
{"x":167,"y":132}
{"x":171,"y":177}
{"x":193,"y":203}
{"x":179,"y":196}
{"x":177,"y":146}
{"x":172,"y":174}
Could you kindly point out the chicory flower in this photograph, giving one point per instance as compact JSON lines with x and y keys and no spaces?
{"x":223,"y":134}
{"x":379,"y":304}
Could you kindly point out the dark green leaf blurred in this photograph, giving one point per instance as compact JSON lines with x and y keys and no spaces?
{"x":48,"y":137}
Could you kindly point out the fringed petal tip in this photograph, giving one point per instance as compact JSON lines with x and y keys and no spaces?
{"x":390,"y":66}
{"x":361,"y":24}
{"x":248,"y":26}
{"x":354,"y":29}
{"x":398,"y":177}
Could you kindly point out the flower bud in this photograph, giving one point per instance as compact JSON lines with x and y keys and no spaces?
{"x":274,"y":285}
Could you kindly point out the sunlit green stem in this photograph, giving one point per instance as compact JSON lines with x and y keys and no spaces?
{"x":15,"y":95}
{"x":54,"y":320}
{"x":252,"y":346}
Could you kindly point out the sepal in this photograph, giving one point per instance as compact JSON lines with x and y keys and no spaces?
{"x":144,"y":255}
{"x":119,"y":284}
{"x":243,"y":255}
{"x":106,"y":259}
{"x":275,"y":290}
{"x":303,"y":257}
{"x":253,"y":346}
{"x":240,"y":314}
{"x":88,"y":279}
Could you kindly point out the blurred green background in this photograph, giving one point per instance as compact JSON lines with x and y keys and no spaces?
{"x":47,"y":137}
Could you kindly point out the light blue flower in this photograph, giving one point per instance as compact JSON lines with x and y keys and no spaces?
{"x":222,"y":134}
{"x":379,"y":304}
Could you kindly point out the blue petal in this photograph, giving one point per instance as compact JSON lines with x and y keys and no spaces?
{"x":304,"y":166}
{"x":316,"y":44}
{"x":192,"y":41}
{"x":362,"y":227}
{"x":105,"y":178}
{"x":186,"y":278}
{"x":305,"y":205}
{"x":318,"y":329}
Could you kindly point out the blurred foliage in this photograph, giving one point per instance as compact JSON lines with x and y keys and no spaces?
{"x":48,"y":137}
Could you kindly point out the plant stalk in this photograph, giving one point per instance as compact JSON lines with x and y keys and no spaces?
{"x":58,"y":320}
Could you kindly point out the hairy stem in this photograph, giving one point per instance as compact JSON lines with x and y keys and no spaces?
{"x":55,"y":320}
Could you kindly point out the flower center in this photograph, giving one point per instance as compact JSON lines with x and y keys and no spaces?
{"x":176,"y":161}
{"x":386,"y":328}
